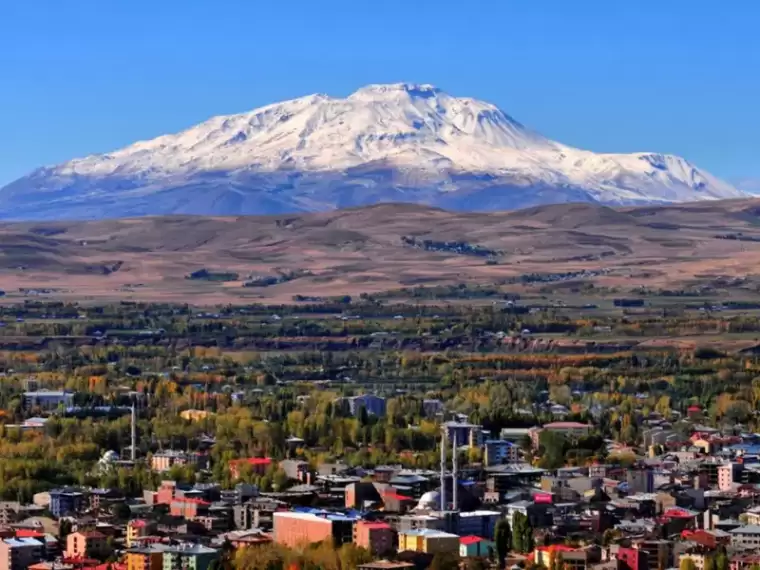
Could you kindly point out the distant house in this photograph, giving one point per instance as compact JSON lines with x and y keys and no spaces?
{"x":571,"y":430}
{"x":432,"y":407}
{"x":374,"y":405}
{"x":475,"y":547}
{"x":258,"y":465}
{"x":47,"y":400}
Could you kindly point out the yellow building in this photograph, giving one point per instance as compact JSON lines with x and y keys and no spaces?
{"x":145,"y":559}
{"x":428,"y":541}
{"x":137,"y":529}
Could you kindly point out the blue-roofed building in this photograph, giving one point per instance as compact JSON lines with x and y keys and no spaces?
{"x":18,"y":553}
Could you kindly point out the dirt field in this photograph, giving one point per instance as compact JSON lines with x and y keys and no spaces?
{"x":361,"y":250}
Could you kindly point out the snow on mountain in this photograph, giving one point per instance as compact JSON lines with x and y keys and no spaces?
{"x":401,"y":142}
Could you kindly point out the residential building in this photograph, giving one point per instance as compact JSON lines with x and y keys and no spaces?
{"x":137,"y":529}
{"x":571,"y":430}
{"x":478,"y":523}
{"x":255,"y":513}
{"x":746,"y":536}
{"x":640,"y":480}
{"x":188,"y":508}
{"x":429,"y":541}
{"x":9,"y":512}
{"x":297,"y":528}
{"x":66,"y":502}
{"x":499,"y":451}
{"x":568,"y":557}
{"x":630,"y":558}
{"x":189,"y":557}
{"x":47,"y":400}
{"x":362,"y":494}
{"x":475,"y":547}
{"x":164,"y":460}
{"x":377,"y":537}
{"x":296,"y":469}
{"x":87,"y":544}
{"x":148,"y":558}
{"x":20,"y":553}
{"x":466,"y":434}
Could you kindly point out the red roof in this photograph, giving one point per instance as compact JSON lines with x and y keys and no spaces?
{"x":252,"y":461}
{"x":375,"y":525}
{"x":678,"y":513}
{"x":137,"y":523}
{"x":190,"y":500}
{"x":28,"y":533}
{"x":397,"y":496}
{"x":466,"y":540}
{"x":80,"y":560}
{"x":694,"y":409}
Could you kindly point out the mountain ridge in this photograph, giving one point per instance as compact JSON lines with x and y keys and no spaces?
{"x":398,"y":142}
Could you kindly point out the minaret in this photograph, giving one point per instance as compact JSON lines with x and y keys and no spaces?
{"x":134,"y":434}
{"x":443,"y":469}
{"x":454,"y":492}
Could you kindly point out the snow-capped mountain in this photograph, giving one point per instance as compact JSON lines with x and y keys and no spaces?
{"x":402,"y":142}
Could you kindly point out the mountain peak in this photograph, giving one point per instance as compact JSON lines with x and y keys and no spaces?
{"x":414,"y":90}
{"x":395,"y":142}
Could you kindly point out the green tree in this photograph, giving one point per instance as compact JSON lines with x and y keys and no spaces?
{"x":503,"y":540}
{"x":687,"y":564}
{"x":522,"y":534}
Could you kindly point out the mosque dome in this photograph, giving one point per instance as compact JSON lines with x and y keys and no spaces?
{"x":430,"y":501}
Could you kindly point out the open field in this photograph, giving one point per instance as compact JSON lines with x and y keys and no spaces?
{"x":362,"y":251}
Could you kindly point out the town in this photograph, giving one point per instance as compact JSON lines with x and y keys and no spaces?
{"x":146,"y":436}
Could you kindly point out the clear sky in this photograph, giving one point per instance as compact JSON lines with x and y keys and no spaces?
{"x":676,"y":76}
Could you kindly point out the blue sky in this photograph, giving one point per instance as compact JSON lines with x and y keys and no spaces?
{"x":677,"y":76}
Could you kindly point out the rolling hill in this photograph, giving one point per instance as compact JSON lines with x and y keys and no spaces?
{"x":377,"y":248}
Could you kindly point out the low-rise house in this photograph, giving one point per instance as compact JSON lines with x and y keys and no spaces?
{"x":429,"y":541}
{"x":476,"y":547}
{"x":376,"y":537}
